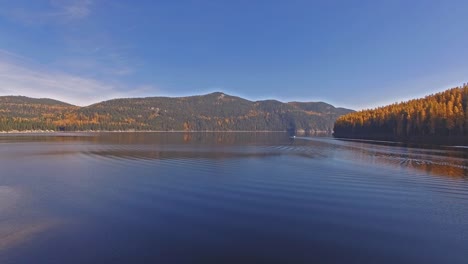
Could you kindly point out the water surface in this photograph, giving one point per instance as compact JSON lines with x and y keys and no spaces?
{"x":229,"y":198}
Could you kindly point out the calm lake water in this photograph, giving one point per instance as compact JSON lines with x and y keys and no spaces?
{"x":229,"y":198}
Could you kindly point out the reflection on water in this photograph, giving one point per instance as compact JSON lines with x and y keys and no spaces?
{"x":229,"y":198}
{"x":18,"y":223}
{"x":434,"y":160}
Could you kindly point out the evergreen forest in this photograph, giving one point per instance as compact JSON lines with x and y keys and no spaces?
{"x":212,"y":112}
{"x":438,"y":117}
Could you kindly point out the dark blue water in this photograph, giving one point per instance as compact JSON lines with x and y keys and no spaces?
{"x":229,"y":198}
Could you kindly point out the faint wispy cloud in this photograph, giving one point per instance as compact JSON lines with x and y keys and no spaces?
{"x":58,"y":11}
{"x":95,"y":67}
{"x":97,"y":53}
{"x":73,"y":9}
{"x":22,"y":77}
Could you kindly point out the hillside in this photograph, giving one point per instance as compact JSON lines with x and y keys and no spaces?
{"x":24,"y":113}
{"x":215,"y":111}
{"x":441,"y":117}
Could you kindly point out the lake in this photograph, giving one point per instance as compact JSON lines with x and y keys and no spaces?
{"x":229,"y":198}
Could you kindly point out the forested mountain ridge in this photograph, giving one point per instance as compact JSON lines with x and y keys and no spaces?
{"x":215,"y":112}
{"x":24,"y":113}
{"x":439,"y":117}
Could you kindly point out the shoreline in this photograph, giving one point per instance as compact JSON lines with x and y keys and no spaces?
{"x":51,"y":133}
{"x":155,"y":131}
{"x":96,"y":132}
{"x":460,"y":142}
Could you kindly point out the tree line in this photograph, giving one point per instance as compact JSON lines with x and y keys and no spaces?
{"x":437,"y":116}
{"x":214,"y":112}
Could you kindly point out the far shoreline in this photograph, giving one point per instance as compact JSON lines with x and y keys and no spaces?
{"x":96,"y":132}
{"x":426,"y":140}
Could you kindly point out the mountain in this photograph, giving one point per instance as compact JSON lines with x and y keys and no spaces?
{"x":24,"y":113}
{"x":25,"y":107}
{"x":216,"y":112}
{"x":437,"y":118}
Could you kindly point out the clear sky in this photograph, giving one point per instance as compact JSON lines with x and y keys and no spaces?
{"x":355,"y":54}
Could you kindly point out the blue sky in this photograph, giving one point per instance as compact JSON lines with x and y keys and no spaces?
{"x":355,"y":54}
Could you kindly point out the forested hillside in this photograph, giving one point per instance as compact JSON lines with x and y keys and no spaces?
{"x":436,"y":117}
{"x":23,"y":113}
{"x":215,"y":112}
